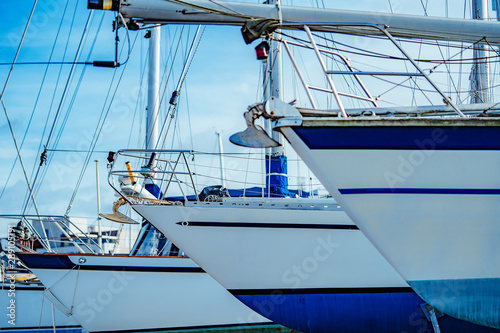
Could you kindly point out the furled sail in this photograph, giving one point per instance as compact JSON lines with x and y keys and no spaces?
{"x":343,"y":21}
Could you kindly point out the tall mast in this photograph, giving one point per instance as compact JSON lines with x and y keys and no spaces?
{"x":153,"y":89}
{"x":152,"y":116}
{"x":276,"y":161}
{"x":276,"y":83}
{"x":267,"y":123}
{"x":480,"y":78}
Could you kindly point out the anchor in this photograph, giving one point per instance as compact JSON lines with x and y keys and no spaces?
{"x":254,"y":136}
{"x":116,"y":216}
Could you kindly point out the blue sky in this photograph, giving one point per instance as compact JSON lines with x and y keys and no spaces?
{"x":25,"y":82}
{"x":223,"y":80}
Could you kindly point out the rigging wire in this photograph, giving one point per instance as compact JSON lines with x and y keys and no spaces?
{"x":5,"y":109}
{"x":390,"y":6}
{"x":448,"y":70}
{"x":77,"y":88}
{"x":53,"y":99}
{"x":425,"y":90}
{"x":446,"y":62}
{"x":189,"y":122}
{"x":349,"y":83}
{"x":126,"y":33}
{"x":48,"y":63}
{"x":37,"y":99}
{"x":75,"y":151}
{"x":211,"y":10}
{"x":413,"y":90}
{"x":173,"y":106}
{"x":43,"y":157}
{"x":420,"y":89}
{"x":71,"y":104}
{"x":187,"y":65}
{"x":137,"y":102}
{"x":141,"y":85}
{"x":461,"y":65}
{"x":409,"y":87}
{"x":424,"y":7}
{"x":367,"y":53}
{"x":100,"y":124}
{"x":396,"y":85}
{"x":373,"y":54}
{"x":167,"y":76}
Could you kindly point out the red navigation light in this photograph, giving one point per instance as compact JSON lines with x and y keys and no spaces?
{"x":262,"y":50}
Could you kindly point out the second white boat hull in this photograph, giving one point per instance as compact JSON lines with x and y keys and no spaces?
{"x":121,"y":293}
{"x":311,"y":270}
{"x":218,"y":237}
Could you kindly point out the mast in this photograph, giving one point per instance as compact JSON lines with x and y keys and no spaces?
{"x":153,"y":107}
{"x":276,"y":161}
{"x":276,"y":82}
{"x":153,"y":89}
{"x":267,"y":122}
{"x":480,"y":77}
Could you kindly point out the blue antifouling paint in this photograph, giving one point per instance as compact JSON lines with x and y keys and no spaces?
{"x":393,"y":312}
{"x":276,"y":176}
{"x":475,"y":300}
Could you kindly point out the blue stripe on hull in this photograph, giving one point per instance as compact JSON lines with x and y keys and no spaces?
{"x":268,"y":225}
{"x":62,"y":261}
{"x":352,"y":313}
{"x":52,"y":261}
{"x":404,"y":138}
{"x":464,"y":191}
{"x":475,"y":300}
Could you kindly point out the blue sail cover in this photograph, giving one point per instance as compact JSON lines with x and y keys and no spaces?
{"x":250,"y":192}
{"x":277,"y":176}
{"x":154,"y":190}
{"x":276,"y":184}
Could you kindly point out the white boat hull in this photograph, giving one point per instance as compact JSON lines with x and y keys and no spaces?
{"x":232,"y":244}
{"x":121,"y":293}
{"x":310,"y":270}
{"x":426,"y":194}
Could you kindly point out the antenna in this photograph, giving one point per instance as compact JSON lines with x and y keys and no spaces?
{"x":221,"y":153}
